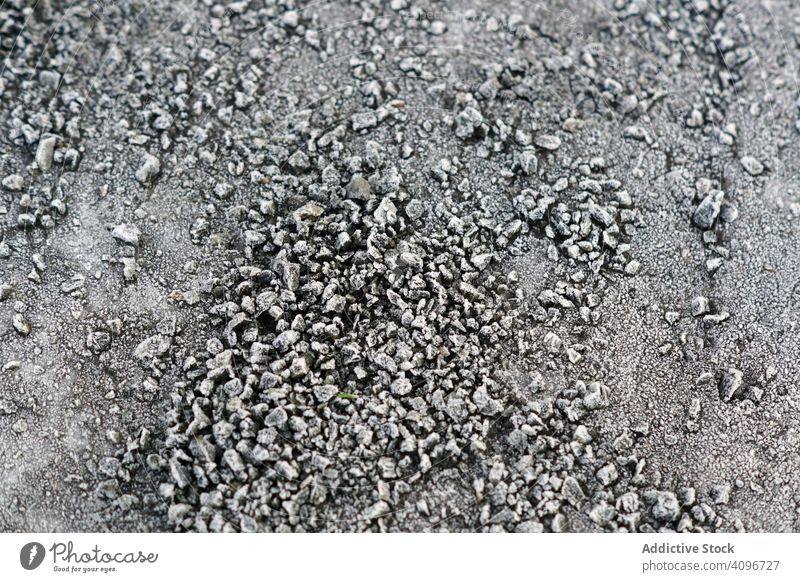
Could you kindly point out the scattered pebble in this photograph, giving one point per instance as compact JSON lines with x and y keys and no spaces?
{"x":708,"y":210}
{"x":752,"y":165}
{"x":150,"y":168}
{"x":547,"y":142}
{"x":731,"y":384}
{"x":127,"y":234}
{"x":700,"y":306}
{"x":21,"y":324}
{"x":14,"y":182}
{"x":44,"y":152}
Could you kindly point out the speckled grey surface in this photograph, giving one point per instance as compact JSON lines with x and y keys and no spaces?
{"x":350,"y":266}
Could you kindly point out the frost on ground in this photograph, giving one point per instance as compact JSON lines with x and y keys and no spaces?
{"x":396,"y":266}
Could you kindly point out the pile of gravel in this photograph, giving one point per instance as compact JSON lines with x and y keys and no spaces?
{"x":373,"y":341}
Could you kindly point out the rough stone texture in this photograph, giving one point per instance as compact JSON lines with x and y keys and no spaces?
{"x":530,"y":267}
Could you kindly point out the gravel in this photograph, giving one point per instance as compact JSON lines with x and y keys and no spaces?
{"x":127,"y":234}
{"x":373,"y":271}
{"x":731,"y":384}
{"x":44,"y":153}
{"x":150,"y":168}
{"x":752,"y":165}
{"x":707,"y":211}
{"x":700,"y":306}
